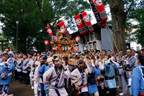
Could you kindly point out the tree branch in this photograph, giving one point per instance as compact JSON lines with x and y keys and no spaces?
{"x":129,"y":7}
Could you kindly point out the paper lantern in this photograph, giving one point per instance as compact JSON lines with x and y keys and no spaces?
{"x":87,"y":22}
{"x":99,"y":11}
{"x":80,"y":24}
{"x":46,"y":42}
{"x":77,"y":39}
{"x":49,"y":30}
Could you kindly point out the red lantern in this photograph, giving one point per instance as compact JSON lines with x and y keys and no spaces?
{"x":100,"y":7}
{"x":77,"y":39}
{"x":87,"y":22}
{"x":49,"y":30}
{"x":99,"y":11}
{"x":61,"y":27}
{"x":80,"y":24}
{"x":46,"y":42}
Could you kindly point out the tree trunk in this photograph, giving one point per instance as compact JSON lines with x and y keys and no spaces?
{"x":118,"y":20}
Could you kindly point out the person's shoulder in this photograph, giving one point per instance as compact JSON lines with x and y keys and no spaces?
{"x":138,"y":68}
{"x":75,"y":70}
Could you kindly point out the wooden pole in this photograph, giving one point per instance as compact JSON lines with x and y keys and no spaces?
{"x":112,"y":38}
{"x":115,"y":44}
{"x":109,"y":40}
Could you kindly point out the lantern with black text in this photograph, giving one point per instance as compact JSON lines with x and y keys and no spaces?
{"x":77,"y":39}
{"x":101,"y":9}
{"x":80,"y":24}
{"x":49,"y":30}
{"x":46,"y":42}
{"x":87,"y":22}
{"x":99,"y":12}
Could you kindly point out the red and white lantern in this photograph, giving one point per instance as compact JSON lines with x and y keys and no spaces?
{"x":61,"y":27}
{"x":99,"y":11}
{"x":49,"y":30}
{"x":77,"y":39}
{"x":87,"y":22}
{"x":80,"y":24}
{"x":46,"y":42}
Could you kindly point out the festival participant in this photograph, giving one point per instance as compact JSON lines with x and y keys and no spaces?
{"x":25,"y":70}
{"x":42,"y":91}
{"x":15,"y":63}
{"x":137,"y":84}
{"x":55,"y":76}
{"x":31,"y":68}
{"x":46,"y":66}
{"x":109,"y":53}
{"x":6,"y":68}
{"x":92,"y":87}
{"x":135,"y":55}
{"x":19,"y":68}
{"x":36,"y":76}
{"x":129,"y":62}
{"x":120,"y":69}
{"x":110,"y":67}
{"x":79,"y":77}
{"x":101,"y":78}
{"x":0,"y":57}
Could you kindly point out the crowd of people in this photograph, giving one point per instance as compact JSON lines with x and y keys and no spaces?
{"x":50,"y":74}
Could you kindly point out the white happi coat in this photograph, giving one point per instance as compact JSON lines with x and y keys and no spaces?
{"x":77,"y":78}
{"x":50,"y":77}
{"x":30,"y":63}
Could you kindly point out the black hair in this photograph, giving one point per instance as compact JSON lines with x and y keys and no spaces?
{"x":44,"y":58}
{"x":141,"y":59}
{"x":81,"y":62}
{"x":7,"y":48}
{"x":130,"y":49}
{"x":5,"y":55}
{"x":54,"y":57}
{"x":104,"y":51}
{"x":97,"y":51}
{"x":133,"y":50}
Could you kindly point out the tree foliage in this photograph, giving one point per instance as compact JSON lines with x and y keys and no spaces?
{"x":33,"y":16}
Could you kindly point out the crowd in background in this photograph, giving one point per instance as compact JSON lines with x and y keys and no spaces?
{"x":50,"y":74}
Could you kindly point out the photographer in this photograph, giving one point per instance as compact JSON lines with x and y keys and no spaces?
{"x":6,"y":68}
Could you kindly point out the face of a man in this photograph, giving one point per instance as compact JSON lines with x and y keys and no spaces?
{"x":81,"y":66}
{"x":24,"y":57}
{"x":57,"y":62}
{"x":6,"y":49}
{"x":4,"y":58}
{"x":128,"y":52}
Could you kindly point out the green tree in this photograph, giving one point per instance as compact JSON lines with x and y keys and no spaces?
{"x":121,"y":11}
{"x":33,"y":16}
{"x":138,"y":15}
